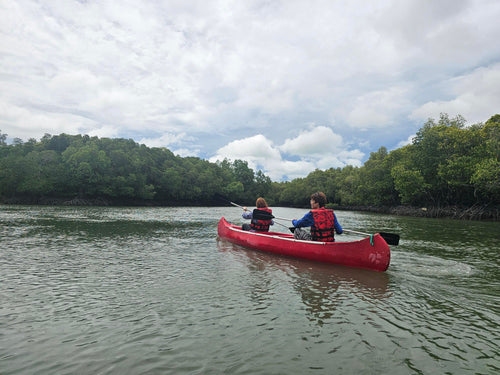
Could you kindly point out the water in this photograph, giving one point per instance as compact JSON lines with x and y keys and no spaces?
{"x":152,"y":291}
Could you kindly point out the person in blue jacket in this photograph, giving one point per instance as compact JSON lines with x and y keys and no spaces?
{"x":323,"y":222}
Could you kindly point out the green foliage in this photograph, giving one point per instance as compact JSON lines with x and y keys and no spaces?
{"x":120,"y":169}
{"x":486,"y":179}
{"x":447,"y":163}
{"x":410,"y":185}
{"x":3,"y":137}
{"x":375,"y":181}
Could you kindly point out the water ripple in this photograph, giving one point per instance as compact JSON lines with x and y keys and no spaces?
{"x":150,"y":290}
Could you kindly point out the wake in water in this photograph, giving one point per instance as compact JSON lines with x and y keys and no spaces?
{"x":429,"y":265}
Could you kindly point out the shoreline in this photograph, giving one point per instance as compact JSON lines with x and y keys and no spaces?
{"x":475,"y":213}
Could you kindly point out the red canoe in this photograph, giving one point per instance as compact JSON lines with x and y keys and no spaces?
{"x":371,"y":253}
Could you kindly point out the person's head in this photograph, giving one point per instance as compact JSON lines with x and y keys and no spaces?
{"x":261,"y":203}
{"x":319,"y":198}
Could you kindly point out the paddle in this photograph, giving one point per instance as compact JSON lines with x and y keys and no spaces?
{"x":390,"y":238}
{"x":292,"y":229}
{"x":243,"y":208}
{"x":262,"y":215}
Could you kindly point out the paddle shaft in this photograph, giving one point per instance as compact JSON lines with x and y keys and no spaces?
{"x":237,"y":205}
{"x":263,"y":215}
{"x":283,"y":225}
{"x":356,"y":232}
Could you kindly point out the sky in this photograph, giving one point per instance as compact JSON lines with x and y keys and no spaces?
{"x":288,"y":86}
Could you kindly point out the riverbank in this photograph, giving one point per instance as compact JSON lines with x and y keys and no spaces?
{"x":486,"y":213}
{"x":449,"y":212}
{"x":45,"y":201}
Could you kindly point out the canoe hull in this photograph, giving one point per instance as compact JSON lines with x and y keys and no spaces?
{"x":360,"y":254}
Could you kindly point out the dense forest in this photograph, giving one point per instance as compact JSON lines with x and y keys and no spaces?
{"x":447,"y":164}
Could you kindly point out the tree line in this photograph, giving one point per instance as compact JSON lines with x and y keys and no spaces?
{"x":118,"y":170}
{"x":446,"y":164}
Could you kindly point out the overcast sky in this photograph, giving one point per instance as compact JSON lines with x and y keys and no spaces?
{"x":288,"y":86}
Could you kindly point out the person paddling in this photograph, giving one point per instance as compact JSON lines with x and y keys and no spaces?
{"x":323,"y":222}
{"x":257,"y":225}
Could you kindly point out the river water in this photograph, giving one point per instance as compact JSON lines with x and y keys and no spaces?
{"x":96,"y":290}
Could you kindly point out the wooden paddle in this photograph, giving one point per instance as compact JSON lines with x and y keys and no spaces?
{"x":390,"y":238}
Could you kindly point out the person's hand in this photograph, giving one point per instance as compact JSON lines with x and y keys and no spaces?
{"x":245,"y":209}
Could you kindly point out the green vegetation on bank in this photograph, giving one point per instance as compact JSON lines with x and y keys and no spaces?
{"x":447,"y":164}
{"x":119,"y":170}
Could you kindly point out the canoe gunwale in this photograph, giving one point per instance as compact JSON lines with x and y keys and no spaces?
{"x":314,"y":243}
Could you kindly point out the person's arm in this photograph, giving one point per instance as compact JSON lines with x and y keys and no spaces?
{"x":306,"y":221}
{"x":336,"y":223}
{"x":247,"y":214}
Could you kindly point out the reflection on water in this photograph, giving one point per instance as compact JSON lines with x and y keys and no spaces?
{"x":321,"y":286}
{"x":151,"y":290}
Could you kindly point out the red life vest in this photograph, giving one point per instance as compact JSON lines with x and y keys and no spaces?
{"x":324,"y":225}
{"x":261,"y":225}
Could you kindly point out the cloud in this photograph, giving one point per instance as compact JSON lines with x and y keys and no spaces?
{"x":184,"y":152}
{"x":30,"y":122}
{"x":439,"y":34}
{"x":378,"y":108}
{"x":165,"y":140}
{"x":317,"y":148}
{"x":105,"y":131}
{"x":318,"y":140}
{"x":201,"y":77}
{"x":257,"y":151}
{"x":473,"y":95}
{"x":406,"y":142}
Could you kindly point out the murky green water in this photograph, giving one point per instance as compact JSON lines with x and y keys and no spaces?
{"x":152,"y":291}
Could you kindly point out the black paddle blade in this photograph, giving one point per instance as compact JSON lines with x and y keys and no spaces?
{"x":390,"y":238}
{"x":292,"y":229}
{"x":261,"y":215}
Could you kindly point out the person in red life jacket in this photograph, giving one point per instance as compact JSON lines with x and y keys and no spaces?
{"x":258,"y":225}
{"x":323,"y":222}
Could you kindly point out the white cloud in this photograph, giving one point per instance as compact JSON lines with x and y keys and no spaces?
{"x":318,"y":147}
{"x":474,"y":95}
{"x":406,"y":141}
{"x":207,"y":74}
{"x":377,"y":108}
{"x":106,"y":131}
{"x":257,"y":150}
{"x":319,"y":140}
{"x":184,"y":152}
{"x":166,"y":140}
{"x":26,"y":123}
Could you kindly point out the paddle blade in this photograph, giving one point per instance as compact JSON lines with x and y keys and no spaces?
{"x":292,"y":229}
{"x":390,"y":238}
